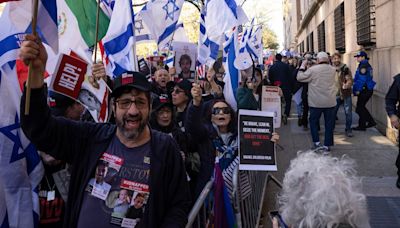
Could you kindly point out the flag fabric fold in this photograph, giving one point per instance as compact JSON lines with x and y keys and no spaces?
{"x":119,"y":39}
{"x":162,"y":18}
{"x":85,"y":13}
{"x":231,"y":77}
{"x":20,"y":166}
{"x":221,"y":16}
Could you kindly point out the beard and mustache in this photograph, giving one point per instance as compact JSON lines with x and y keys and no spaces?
{"x":131,"y":133}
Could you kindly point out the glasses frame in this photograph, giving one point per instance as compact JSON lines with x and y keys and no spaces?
{"x":138,"y":103}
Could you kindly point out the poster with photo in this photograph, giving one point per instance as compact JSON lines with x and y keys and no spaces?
{"x":271,"y":102}
{"x":128,"y":206}
{"x":256,"y":151}
{"x":185,"y":59}
{"x":107,"y":167}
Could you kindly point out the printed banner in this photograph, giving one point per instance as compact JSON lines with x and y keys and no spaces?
{"x":271,"y":102}
{"x":256,"y":151}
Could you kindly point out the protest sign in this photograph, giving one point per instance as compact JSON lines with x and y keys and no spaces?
{"x":256,"y":151}
{"x":271,"y":102}
{"x":69,"y":76}
{"x":189,"y":53}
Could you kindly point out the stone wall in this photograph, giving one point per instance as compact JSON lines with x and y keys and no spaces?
{"x":384,"y":57}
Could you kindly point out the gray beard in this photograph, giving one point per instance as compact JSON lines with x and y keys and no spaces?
{"x":131,"y":134}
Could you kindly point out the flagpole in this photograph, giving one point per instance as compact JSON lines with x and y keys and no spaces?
{"x":96,"y":37}
{"x":30,"y":70}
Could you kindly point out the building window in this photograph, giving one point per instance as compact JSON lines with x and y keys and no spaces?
{"x":365,"y":14}
{"x":340,"y":40}
{"x":302,"y":47}
{"x":310,"y":42}
{"x":321,"y":36}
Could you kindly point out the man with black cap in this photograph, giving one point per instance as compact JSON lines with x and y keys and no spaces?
{"x":363,"y":88}
{"x":139,"y":159}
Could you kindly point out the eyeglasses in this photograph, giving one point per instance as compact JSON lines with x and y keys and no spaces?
{"x":225,"y":110}
{"x":178,"y":91}
{"x":127,"y":103}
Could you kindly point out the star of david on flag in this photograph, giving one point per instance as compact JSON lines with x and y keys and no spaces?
{"x":161,"y":17}
{"x":170,"y":11}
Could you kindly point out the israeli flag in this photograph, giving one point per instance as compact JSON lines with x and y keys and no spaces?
{"x":222,"y":16}
{"x":207,"y":49}
{"x":142,"y":31}
{"x":231,"y":78}
{"x":254,"y":44}
{"x":21,"y":16}
{"x":21,"y":169}
{"x":119,"y":39}
{"x":162,"y":18}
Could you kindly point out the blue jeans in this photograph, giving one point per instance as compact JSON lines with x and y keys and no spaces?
{"x":329,"y":117}
{"x":347,"y":105}
{"x":299,"y":109}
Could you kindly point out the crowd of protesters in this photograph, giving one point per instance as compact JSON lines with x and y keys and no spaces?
{"x":156,"y":154}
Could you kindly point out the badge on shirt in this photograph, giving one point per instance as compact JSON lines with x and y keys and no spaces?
{"x":51,"y":195}
{"x":146,"y":160}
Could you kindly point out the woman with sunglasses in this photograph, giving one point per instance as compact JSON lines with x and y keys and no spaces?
{"x":216,"y":134}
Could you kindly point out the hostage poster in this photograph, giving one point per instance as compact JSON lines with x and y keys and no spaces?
{"x":256,"y":150}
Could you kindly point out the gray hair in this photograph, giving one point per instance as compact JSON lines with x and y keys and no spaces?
{"x":322,"y":191}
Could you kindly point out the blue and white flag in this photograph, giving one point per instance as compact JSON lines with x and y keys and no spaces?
{"x":119,"y":39}
{"x":162,"y":17}
{"x":254,"y":44}
{"x":142,"y":31}
{"x":21,"y":169}
{"x":21,"y":17}
{"x":207,"y":49}
{"x":169,"y":60}
{"x":221,"y":16}
{"x":231,"y":77}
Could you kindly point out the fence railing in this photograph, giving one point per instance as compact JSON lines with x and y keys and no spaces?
{"x":247,"y":211}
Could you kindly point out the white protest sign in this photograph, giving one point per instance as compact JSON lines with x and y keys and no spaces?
{"x":271,"y":102}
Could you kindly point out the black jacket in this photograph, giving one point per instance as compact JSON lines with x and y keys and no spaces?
{"x":279,"y":74}
{"x":82,"y":143}
{"x":393,"y":97}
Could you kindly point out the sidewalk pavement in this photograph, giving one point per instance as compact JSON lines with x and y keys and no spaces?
{"x":375,"y":156}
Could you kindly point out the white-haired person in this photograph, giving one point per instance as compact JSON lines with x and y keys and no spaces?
{"x":322,"y":192}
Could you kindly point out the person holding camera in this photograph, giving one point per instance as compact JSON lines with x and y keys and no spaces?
{"x":321,"y":97}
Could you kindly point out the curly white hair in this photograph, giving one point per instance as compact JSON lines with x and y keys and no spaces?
{"x":322,"y":191}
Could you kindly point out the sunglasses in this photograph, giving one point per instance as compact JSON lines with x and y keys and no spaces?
{"x":178,"y":91}
{"x":225,"y":110}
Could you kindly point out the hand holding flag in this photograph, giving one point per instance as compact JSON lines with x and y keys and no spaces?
{"x":33,"y":52}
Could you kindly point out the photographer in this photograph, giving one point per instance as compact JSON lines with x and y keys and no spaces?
{"x":321,"y":97}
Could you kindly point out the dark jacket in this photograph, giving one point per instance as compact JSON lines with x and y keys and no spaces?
{"x":246,"y":99}
{"x":204,"y":133}
{"x":363,"y":77}
{"x":393,"y":97}
{"x":279,"y":75}
{"x":200,"y":131}
{"x":82,"y":144}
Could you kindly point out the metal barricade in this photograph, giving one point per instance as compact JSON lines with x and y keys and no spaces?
{"x":247,"y":211}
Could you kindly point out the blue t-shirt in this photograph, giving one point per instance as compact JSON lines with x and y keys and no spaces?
{"x":119,"y":187}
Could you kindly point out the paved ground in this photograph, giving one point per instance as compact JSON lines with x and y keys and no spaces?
{"x":375,"y":156}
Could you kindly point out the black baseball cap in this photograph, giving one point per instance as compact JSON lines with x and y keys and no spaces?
{"x":59,"y":103}
{"x":130,"y":79}
{"x":160,"y":102}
